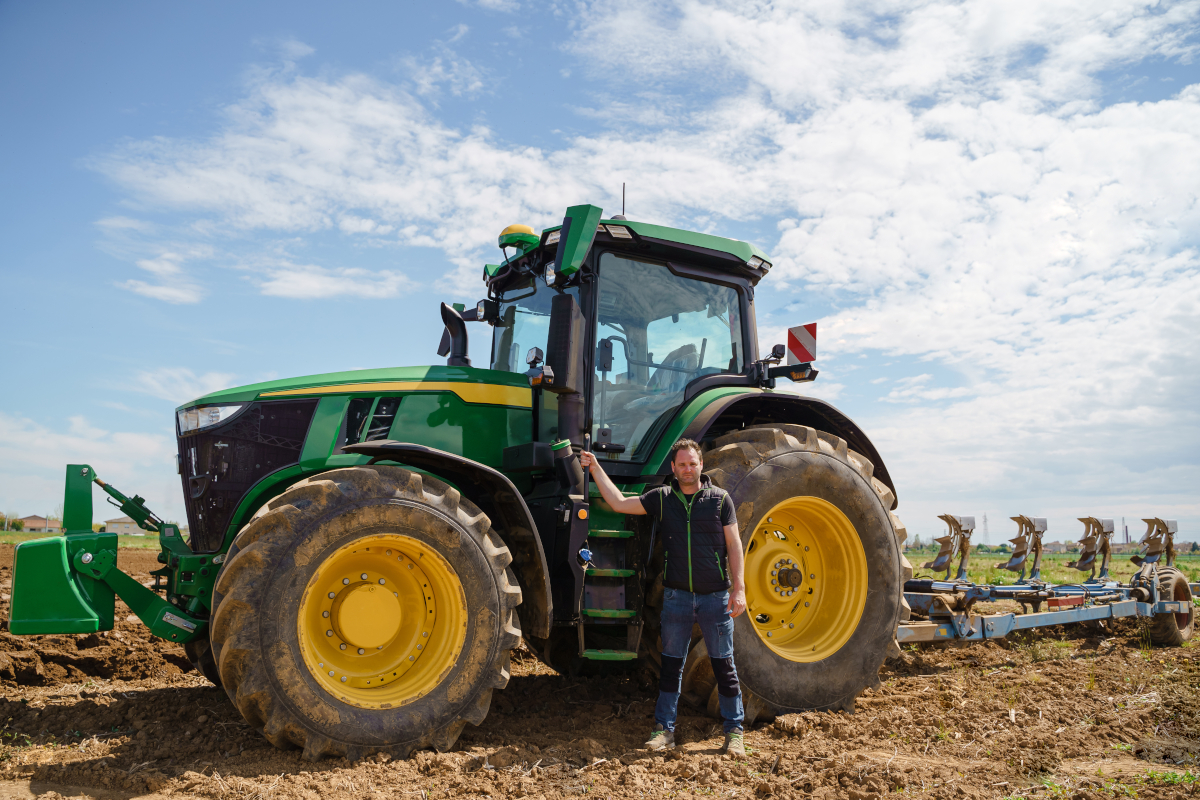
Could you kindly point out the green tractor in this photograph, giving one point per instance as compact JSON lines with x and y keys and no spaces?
{"x":365,"y":549}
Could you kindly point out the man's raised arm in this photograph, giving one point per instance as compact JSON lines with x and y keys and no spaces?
{"x":608,"y":490}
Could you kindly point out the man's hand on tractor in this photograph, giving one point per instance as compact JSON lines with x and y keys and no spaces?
{"x":608,"y":490}
{"x":737,"y":600}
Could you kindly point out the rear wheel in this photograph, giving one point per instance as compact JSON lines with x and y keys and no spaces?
{"x":823,"y":563}
{"x":1172,"y":630}
{"x":365,"y":610}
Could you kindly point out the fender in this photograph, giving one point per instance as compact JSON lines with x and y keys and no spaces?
{"x":496,"y":496}
{"x":739,"y":410}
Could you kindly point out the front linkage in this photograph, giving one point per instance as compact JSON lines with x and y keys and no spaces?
{"x":69,"y":583}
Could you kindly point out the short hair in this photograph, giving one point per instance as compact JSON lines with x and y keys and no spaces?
{"x":686,"y":444}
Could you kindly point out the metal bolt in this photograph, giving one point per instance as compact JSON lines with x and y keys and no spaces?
{"x":773,"y":572}
{"x":813,"y":576}
{"x":774,"y":582}
{"x":806,"y":548}
{"x":331,"y":673}
{"x":324,"y":613}
{"x":389,"y":552}
{"x":410,"y":566}
{"x":379,"y":648}
{"x":332,"y":595}
{"x":342,"y":646}
{"x":329,"y":633}
{"x":361,"y":651}
{"x":363,"y":576}
{"x":768,"y":633}
{"x":345,"y":581}
{"x":84,"y":472}
{"x":87,"y":558}
{"x":382,"y":581}
{"x":425,"y":634}
{"x":412,"y":658}
{"x":791,"y":624}
{"x":420,"y":646}
{"x":806,"y":605}
{"x":343,"y":679}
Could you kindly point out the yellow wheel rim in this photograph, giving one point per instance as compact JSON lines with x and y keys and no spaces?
{"x":382,"y":621}
{"x":806,"y":579}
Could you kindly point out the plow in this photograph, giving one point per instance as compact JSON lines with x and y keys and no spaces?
{"x":365,"y":549}
{"x":1158,"y":591}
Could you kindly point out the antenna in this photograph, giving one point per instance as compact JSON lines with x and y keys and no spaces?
{"x":622,"y":198}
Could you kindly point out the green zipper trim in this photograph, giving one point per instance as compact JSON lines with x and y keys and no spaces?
{"x":720,"y":571}
{"x":687,"y":504}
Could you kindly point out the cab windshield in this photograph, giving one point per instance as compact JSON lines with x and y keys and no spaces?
{"x":656,"y":332}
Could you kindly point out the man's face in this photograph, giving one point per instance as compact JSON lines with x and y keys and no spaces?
{"x":687,"y":466}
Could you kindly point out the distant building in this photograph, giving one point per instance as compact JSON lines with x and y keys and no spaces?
{"x":1056,"y":547}
{"x":123,"y":525}
{"x":36,"y":524}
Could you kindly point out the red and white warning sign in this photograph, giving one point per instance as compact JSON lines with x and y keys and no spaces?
{"x":802,"y":344}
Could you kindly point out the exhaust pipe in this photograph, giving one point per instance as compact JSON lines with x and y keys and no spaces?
{"x":454,"y":338}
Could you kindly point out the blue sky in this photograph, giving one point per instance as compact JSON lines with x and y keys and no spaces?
{"x":991,"y":208}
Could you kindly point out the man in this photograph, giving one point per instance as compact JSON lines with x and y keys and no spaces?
{"x":703,"y":583}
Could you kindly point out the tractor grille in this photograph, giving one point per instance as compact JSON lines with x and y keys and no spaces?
{"x":220,"y":464}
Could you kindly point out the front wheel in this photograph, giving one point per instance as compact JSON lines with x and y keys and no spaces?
{"x":365,"y":610}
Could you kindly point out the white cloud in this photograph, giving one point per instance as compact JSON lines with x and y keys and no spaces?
{"x":944,"y":171}
{"x":309,"y":282}
{"x":180,"y":384}
{"x":33,"y":458}
{"x":174,"y":285}
{"x":506,"y":6}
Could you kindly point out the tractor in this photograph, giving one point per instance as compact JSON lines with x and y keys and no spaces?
{"x":365,"y":549}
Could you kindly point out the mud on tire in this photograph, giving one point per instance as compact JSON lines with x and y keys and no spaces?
{"x":255,"y":637}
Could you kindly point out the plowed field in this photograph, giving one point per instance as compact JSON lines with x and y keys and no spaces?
{"x":1073,"y":713}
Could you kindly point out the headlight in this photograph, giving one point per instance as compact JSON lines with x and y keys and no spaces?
{"x":758,"y":263}
{"x":193,"y":419}
{"x":553,"y":237}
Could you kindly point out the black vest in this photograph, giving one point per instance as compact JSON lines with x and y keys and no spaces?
{"x":694,"y":554}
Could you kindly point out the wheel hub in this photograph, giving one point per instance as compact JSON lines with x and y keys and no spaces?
{"x":809,"y":584}
{"x":365,"y":615}
{"x":382,"y":620}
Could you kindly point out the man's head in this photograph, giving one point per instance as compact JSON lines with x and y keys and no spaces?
{"x":686,"y":463}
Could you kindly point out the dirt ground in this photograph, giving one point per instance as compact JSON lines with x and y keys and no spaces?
{"x":1069,"y":714}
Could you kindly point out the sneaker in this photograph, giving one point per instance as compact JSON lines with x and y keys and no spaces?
{"x":660,"y":739}
{"x":735,"y":744}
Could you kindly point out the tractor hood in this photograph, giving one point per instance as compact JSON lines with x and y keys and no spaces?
{"x":474,"y":385}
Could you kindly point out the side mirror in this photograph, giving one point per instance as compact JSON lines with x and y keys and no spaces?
{"x":778,"y":352}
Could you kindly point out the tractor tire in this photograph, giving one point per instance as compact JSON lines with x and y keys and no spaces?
{"x":808,"y":507}
{"x":1167,"y":629}
{"x":316,"y":652}
{"x":199,"y":652}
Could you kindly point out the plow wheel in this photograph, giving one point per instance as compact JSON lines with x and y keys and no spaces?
{"x":199,"y":652}
{"x":1172,"y":630}
{"x":365,"y":610}
{"x":823,"y":563}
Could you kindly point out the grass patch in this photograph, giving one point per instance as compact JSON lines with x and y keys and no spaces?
{"x":148,"y":542}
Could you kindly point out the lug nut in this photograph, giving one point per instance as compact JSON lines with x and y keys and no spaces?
{"x":329,"y":633}
{"x":342,"y":646}
{"x":361,"y":651}
{"x":345,"y":581}
{"x":331,"y":673}
{"x":332,"y":595}
{"x":382,"y":581}
{"x":363,"y":576}
{"x":343,"y":679}
{"x":324,"y":613}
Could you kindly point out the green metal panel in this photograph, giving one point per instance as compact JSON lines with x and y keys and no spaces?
{"x":323,"y":431}
{"x":610,"y":573}
{"x":610,"y":613}
{"x":479,"y":432}
{"x":77,"y":502}
{"x":683,"y":419}
{"x":734,"y":247}
{"x":434,"y":374}
{"x":580,"y":226}
{"x":45,"y":597}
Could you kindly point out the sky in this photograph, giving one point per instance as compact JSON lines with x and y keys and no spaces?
{"x":990,"y":209}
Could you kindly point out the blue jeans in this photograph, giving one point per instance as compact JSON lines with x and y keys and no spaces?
{"x":682,"y":609}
